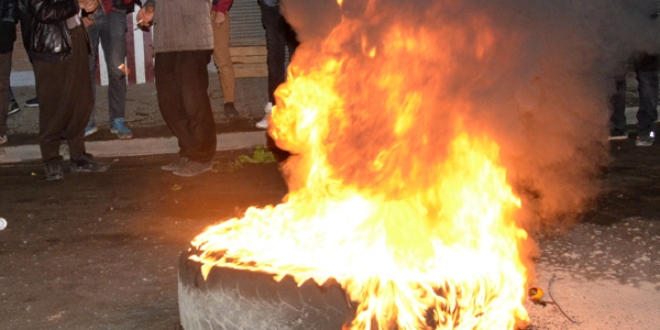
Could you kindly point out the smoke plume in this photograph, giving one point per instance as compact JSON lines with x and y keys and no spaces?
{"x":534,"y":75}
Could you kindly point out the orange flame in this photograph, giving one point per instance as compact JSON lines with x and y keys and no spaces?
{"x":415,"y":222}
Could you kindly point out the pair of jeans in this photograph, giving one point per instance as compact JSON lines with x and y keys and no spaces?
{"x":182,"y":82}
{"x":646,"y":69}
{"x":279,"y":37}
{"x":222,"y":58}
{"x":110,"y":31}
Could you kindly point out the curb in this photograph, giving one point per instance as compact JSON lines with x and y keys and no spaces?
{"x":136,"y":147}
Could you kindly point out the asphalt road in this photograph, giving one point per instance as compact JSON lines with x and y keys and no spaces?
{"x":99,"y":251}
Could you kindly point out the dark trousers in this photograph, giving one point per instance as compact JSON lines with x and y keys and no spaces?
{"x":5,"y":73}
{"x":646,"y":69}
{"x":279,"y":36}
{"x":182,"y":81}
{"x":65,"y":97}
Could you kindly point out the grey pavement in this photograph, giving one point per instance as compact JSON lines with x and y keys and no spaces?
{"x":151,"y":135}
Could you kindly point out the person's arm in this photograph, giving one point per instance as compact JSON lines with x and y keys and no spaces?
{"x":145,"y":16}
{"x":220,"y":7}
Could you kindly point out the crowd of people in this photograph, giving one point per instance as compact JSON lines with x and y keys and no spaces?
{"x":62,"y":40}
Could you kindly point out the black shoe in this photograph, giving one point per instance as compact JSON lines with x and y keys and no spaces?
{"x":618,"y":134}
{"x":88,"y":165}
{"x":32,"y":103}
{"x":230,"y":111}
{"x":13,"y":107}
{"x":54,"y":169}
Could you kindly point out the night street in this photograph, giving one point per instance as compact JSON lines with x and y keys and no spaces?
{"x":100,"y":251}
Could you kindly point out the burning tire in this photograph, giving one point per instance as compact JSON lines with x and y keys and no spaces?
{"x":237,"y":299}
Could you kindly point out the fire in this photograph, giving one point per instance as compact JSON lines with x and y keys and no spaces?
{"x":411,"y":213}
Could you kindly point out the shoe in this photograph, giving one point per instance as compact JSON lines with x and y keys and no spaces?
{"x":86,"y":164}
{"x":618,"y":134}
{"x":54,"y":169}
{"x":645,"y":141}
{"x":118,"y":127}
{"x":91,"y":128}
{"x":175,"y":165}
{"x":230,"y":111}
{"x":3,"y":139}
{"x":13,"y":107}
{"x":263,"y":123}
{"x":192,"y":168}
{"x":32,"y":103}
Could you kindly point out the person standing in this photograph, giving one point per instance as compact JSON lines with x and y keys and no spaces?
{"x":183,"y":44}
{"x":222,"y":56}
{"x":9,"y":18}
{"x":108,"y":26}
{"x":646,"y":68}
{"x":279,"y":37}
{"x":56,"y":42}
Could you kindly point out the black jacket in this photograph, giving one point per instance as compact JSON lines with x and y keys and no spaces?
{"x":8,"y":20}
{"x":43,"y":25}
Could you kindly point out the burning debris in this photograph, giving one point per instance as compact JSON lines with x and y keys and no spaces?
{"x":416,"y":166}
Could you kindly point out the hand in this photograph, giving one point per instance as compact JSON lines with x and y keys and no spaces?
{"x":145,"y":17}
{"x":88,"y":5}
{"x":219,"y":19}
{"x":87,"y":22}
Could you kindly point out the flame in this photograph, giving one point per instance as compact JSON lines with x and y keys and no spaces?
{"x":415,"y":222}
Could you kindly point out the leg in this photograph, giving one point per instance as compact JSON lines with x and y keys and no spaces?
{"x":194,"y":77}
{"x":618,"y":103}
{"x":114,"y":48}
{"x":181,"y":84}
{"x":170,"y":102}
{"x":94,"y":31}
{"x":222,"y":59}
{"x":5,"y":72}
{"x":647,"y":76}
{"x":113,"y":42}
{"x":275,"y":43}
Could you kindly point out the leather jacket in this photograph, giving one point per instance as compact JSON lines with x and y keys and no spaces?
{"x":8,"y":19}
{"x":43,"y":25}
{"x":8,"y":11}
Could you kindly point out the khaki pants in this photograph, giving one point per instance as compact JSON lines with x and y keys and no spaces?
{"x":222,"y":58}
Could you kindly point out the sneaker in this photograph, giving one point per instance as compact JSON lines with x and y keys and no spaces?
{"x":118,"y":127}
{"x":175,"y":165}
{"x":618,"y":134}
{"x":54,"y":169}
{"x":263,"y":123}
{"x":87,"y":164}
{"x":3,"y":139}
{"x":13,"y":107}
{"x":192,"y":168}
{"x":644,"y":141}
{"x":91,"y":128}
{"x":32,"y":103}
{"x":230,"y":111}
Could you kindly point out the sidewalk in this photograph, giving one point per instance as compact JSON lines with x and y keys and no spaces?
{"x":150,"y":133}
